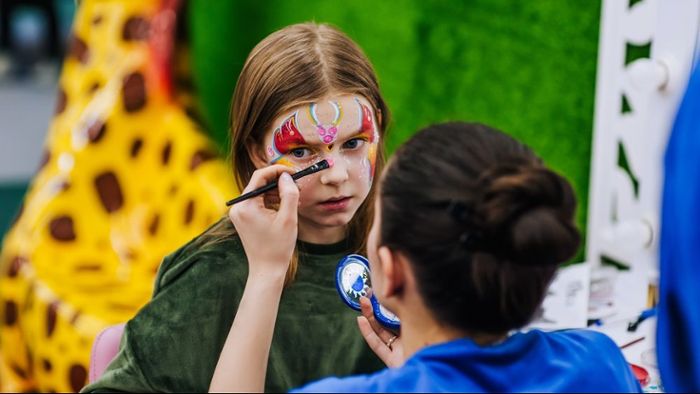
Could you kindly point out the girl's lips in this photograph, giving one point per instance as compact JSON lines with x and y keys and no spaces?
{"x":336,"y":204}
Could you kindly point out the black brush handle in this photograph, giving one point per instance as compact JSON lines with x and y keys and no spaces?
{"x":321,"y":165}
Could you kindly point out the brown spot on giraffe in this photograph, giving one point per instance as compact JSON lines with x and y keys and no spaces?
{"x":131,"y":255}
{"x":153,"y":227}
{"x":189,"y":212}
{"x":93,"y":88}
{"x":136,"y":146}
{"x":97,"y":20}
{"x":10,"y":313}
{"x":88,"y":267}
{"x":47,"y":365}
{"x":15,"y":265}
{"x":45,"y":158}
{"x":167,"y":150}
{"x":51,"y":315}
{"x":96,"y":131}
{"x":79,"y":49}
{"x":18,"y":371}
{"x":200,"y":157}
{"x":62,"y":229}
{"x":136,"y":28}
{"x":78,"y":377}
{"x":134,"y":92}
{"x":63,"y":186}
{"x":74,"y":318}
{"x":109,"y":191}
{"x":61,"y":101}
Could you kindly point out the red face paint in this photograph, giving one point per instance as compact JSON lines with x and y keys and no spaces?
{"x":287,"y":137}
{"x":367,"y":124}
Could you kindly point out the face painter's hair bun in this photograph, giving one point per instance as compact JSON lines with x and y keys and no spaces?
{"x":525,"y":215}
{"x":483,"y":222}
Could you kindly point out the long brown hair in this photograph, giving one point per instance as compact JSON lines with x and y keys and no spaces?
{"x":294,"y":66}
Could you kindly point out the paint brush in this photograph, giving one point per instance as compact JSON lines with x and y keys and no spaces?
{"x":636,"y":341}
{"x":321,"y":165}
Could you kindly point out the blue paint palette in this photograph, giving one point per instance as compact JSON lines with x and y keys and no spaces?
{"x":384,"y":316}
{"x":352,"y":281}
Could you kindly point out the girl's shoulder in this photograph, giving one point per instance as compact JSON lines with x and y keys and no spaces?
{"x":217,"y":250}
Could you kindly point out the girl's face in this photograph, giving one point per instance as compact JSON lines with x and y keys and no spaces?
{"x":341,"y":129}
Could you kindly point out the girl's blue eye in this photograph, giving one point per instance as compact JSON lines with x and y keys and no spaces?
{"x":300,"y":153}
{"x":354,"y":143}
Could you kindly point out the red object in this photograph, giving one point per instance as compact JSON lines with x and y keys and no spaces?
{"x":162,"y":43}
{"x":287,"y":136}
{"x":641,"y":374}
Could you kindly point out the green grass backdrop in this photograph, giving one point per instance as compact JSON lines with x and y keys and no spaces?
{"x":526,"y":67}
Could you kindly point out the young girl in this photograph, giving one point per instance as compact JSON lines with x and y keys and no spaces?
{"x":306,"y":93}
{"x":468,"y":232}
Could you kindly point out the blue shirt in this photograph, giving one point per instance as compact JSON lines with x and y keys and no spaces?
{"x":564,"y":361}
{"x":678,"y":327}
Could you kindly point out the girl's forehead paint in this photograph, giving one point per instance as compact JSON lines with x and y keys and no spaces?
{"x":367,"y":125}
{"x":327,"y":132}
{"x":287,"y":136}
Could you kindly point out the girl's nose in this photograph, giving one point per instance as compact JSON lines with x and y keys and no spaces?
{"x":337,"y":171}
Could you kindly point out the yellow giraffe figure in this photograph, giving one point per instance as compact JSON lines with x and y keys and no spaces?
{"x":127,"y":177}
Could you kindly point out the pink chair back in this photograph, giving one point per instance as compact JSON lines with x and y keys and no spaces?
{"x":104,"y":349}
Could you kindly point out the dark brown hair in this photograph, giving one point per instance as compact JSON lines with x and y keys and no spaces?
{"x":482,"y":221}
{"x":294,"y":66}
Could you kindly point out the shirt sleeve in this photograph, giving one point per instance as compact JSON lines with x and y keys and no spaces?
{"x":678,"y":342}
{"x":611,"y":368}
{"x":173,"y":343}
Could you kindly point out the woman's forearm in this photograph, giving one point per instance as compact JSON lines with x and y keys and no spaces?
{"x":242,"y":364}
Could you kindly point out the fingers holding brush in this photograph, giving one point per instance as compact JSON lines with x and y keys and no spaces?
{"x":257,"y":225}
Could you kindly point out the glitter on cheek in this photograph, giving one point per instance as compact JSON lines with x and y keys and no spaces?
{"x":270,"y":152}
{"x":304,"y":182}
{"x":354,"y":165}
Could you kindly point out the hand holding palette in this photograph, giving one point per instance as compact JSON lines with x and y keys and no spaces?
{"x":353,"y":282}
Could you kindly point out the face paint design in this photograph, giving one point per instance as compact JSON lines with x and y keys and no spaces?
{"x":370,"y":132}
{"x":285,"y":139}
{"x":287,"y":136}
{"x":327,"y":132}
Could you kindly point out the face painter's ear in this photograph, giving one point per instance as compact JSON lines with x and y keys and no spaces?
{"x":392,"y":271}
{"x":257,"y":155}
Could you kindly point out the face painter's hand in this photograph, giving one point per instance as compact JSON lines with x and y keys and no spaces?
{"x":268,"y":235}
{"x":379,"y":338}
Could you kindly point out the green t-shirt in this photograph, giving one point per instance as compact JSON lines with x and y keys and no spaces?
{"x":174,"y":342}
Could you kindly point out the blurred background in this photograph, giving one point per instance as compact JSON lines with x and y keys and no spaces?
{"x":525,"y":67}
{"x":113,"y":136}
{"x":33,"y":38}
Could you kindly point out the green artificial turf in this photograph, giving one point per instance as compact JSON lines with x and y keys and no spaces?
{"x":526,"y":67}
